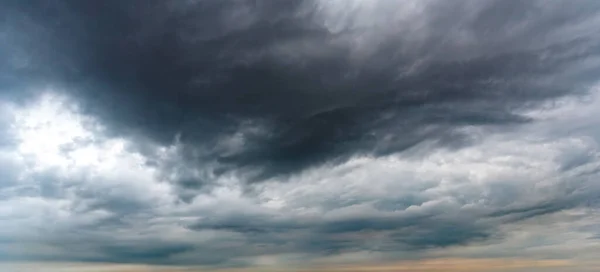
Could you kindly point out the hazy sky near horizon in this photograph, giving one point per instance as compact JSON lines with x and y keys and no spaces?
{"x":301,"y":135}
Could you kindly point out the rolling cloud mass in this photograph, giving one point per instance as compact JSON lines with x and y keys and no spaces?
{"x":301,"y":135}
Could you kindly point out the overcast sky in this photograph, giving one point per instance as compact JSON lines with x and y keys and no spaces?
{"x":300,"y":135}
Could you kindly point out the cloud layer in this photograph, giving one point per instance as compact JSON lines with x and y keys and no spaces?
{"x":261,"y":133}
{"x":277,"y":87}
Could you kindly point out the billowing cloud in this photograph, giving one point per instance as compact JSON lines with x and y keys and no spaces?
{"x":234,"y":134}
{"x":277,"y":87}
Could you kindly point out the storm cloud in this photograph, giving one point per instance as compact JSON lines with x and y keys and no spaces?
{"x":281,"y":86}
{"x":217,"y":132}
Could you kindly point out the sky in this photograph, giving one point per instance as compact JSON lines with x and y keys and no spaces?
{"x":300,"y":135}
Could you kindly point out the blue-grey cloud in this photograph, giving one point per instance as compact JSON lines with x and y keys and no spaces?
{"x":200,"y":69}
{"x":219,"y":132}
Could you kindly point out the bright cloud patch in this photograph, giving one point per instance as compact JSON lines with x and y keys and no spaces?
{"x":67,"y":176}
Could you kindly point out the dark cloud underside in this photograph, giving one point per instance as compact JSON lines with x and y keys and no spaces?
{"x":202,"y":69}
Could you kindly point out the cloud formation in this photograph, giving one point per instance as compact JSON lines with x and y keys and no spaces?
{"x":278,"y":87}
{"x":235,"y":134}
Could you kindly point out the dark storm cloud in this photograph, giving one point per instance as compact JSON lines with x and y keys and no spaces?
{"x":251,"y":90}
{"x":202,"y":69}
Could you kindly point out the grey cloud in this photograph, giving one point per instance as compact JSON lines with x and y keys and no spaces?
{"x":164,"y":69}
{"x":260,"y":106}
{"x":321,"y":237}
{"x":457,"y":222}
{"x":410,"y":220}
{"x":146,"y":254}
{"x":443,"y":234}
{"x":517,"y":214}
